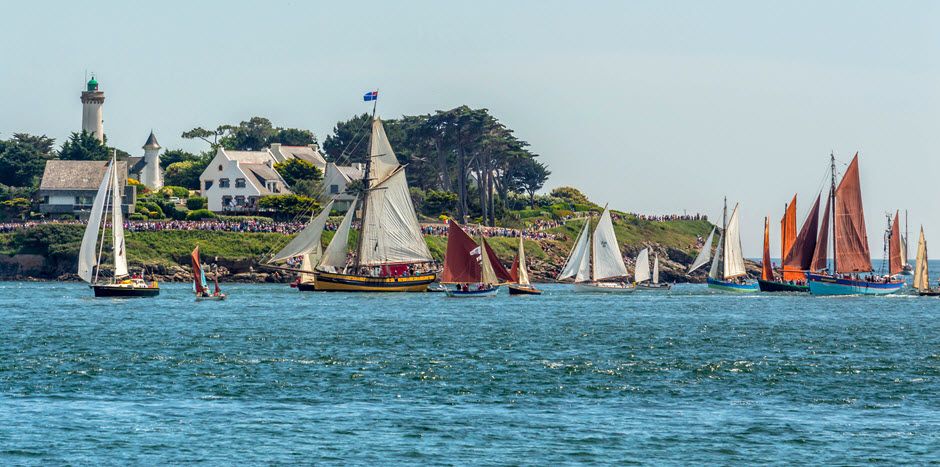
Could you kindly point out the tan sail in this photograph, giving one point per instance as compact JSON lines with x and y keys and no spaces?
{"x":895,"y":266}
{"x":921,"y":274}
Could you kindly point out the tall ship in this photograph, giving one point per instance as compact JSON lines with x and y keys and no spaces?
{"x":595,"y":261}
{"x":796,"y":251}
{"x":474,"y":269}
{"x":851,"y":272}
{"x":390,"y":253}
{"x":121,"y":283}
{"x":727,"y":273}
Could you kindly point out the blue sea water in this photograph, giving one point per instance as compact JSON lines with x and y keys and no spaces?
{"x":274,"y":375}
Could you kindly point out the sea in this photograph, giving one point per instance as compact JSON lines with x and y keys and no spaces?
{"x":276,"y":376}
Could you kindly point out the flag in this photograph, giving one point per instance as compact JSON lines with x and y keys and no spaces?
{"x":371,"y":96}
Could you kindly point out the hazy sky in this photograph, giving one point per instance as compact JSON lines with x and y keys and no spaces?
{"x":654,"y":106}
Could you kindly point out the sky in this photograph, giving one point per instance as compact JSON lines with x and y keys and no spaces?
{"x":651,"y":106}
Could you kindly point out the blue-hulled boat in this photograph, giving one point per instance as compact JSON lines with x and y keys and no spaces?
{"x":731,"y":286}
{"x":823,"y":284}
{"x":728,"y":273}
{"x":474,"y":269}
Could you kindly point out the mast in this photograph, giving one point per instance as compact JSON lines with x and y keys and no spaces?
{"x":104,"y":220}
{"x":832,"y":202}
{"x":365,"y":193}
{"x":724,"y":236}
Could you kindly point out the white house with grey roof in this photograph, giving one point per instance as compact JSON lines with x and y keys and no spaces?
{"x":310,"y":153}
{"x":335,"y":180}
{"x":234,"y":180}
{"x":70,"y":187}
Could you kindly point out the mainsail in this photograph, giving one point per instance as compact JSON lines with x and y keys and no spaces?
{"x":705,"y":254}
{"x":820,"y":253}
{"x":766,"y":270}
{"x":851,"y":239}
{"x":895,"y":266}
{"x":334,"y":258}
{"x":390,"y":230}
{"x":607,"y":261}
{"x":307,"y":242}
{"x":800,"y":256}
{"x":199,"y":276}
{"x":788,"y":238}
{"x":518,"y":272}
{"x":87,"y":256}
{"x":117,"y":222}
{"x":642,"y":270}
{"x":460,"y":264}
{"x":921,"y":274}
{"x":733,"y":256}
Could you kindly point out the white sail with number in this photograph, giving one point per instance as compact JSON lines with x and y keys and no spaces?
{"x":641,"y":272}
{"x":88,"y":255}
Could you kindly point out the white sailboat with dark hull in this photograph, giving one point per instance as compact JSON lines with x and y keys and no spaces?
{"x":642,"y":277}
{"x":121,"y":284}
{"x":728,"y":272}
{"x":520,"y":274}
{"x":595,"y":261}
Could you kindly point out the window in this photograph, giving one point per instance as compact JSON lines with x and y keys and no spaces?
{"x":226,"y":201}
{"x":84,"y":200}
{"x":239,"y":200}
{"x":208,"y":184}
{"x":273,"y":186}
{"x":239,"y":183}
{"x":223,"y":183}
{"x":334,"y":189}
{"x":220,"y":167}
{"x":45,"y":200}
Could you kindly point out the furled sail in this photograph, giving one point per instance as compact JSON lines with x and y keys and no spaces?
{"x":307,"y":242}
{"x":579,"y":252}
{"x":334,"y":257}
{"x":894,"y":248}
{"x":788,"y":237}
{"x":766,"y":270}
{"x":87,"y":254}
{"x":921,"y":274}
{"x":117,"y":223}
{"x":705,"y":254}
{"x":800,"y":257}
{"x":642,"y":270}
{"x":607,"y":261}
{"x":733,"y":256}
{"x":851,"y":239}
{"x":656,"y":269}
{"x":820,"y":253}
{"x":460,"y":260}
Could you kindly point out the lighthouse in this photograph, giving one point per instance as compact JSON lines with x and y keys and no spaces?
{"x":150,"y":174}
{"x":92,"y":100}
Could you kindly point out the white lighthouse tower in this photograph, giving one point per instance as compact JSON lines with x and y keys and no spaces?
{"x":92,"y":100}
{"x":150,"y":175}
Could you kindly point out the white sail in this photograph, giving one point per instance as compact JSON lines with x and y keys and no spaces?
{"x":656,"y":269}
{"x":384,"y":161}
{"x":487,"y":274}
{"x":642,"y":271}
{"x":307,"y":265}
{"x":307,"y":242}
{"x":733,"y":256}
{"x":705,"y":254}
{"x":117,"y":224}
{"x":521,"y":270}
{"x":334,"y":258}
{"x":578,"y":252}
{"x":390,"y":230}
{"x":714,"y":272}
{"x":921,"y":274}
{"x":904,"y":251}
{"x":607,"y":261}
{"x":87,"y":254}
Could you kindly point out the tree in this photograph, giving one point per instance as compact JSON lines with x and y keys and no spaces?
{"x":529,"y":176}
{"x":23,"y":159}
{"x":439,"y":202}
{"x":177,"y":155}
{"x":84,"y":147}
{"x":294,"y":169}
{"x":349,"y":141}
{"x":254,"y":134}
{"x":571,"y":194}
{"x":185,"y":174}
{"x":205,"y":135}
{"x":287,"y":206}
{"x":294,"y":137}
{"x":311,"y":188}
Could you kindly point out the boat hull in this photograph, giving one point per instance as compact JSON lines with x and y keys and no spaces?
{"x":472,"y":293}
{"x":333,"y":282}
{"x":929,"y":293}
{"x":306,"y":286}
{"x":646,"y":287}
{"x":216,"y":298}
{"x":820,"y":284}
{"x":603,"y":287}
{"x":523,"y":290}
{"x":110,"y":290}
{"x":733,"y":287}
{"x":774,"y":286}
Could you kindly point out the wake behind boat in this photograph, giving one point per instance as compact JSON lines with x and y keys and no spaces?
{"x":596,"y":259}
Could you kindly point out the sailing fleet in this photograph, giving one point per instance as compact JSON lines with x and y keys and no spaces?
{"x":390,"y":254}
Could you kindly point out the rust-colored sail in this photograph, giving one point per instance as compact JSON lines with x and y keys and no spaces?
{"x":820,"y":253}
{"x":851,"y":239}
{"x":460,"y":265}
{"x":514,"y":269}
{"x":197,"y":271}
{"x":894,"y":248}
{"x":800,"y":257}
{"x":766,"y":270}
{"x":787,"y":239}
{"x":501,"y":273}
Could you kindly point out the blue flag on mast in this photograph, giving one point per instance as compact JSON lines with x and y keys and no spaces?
{"x":371,"y":96}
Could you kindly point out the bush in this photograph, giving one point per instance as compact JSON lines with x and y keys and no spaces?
{"x":150,"y":209}
{"x":177,"y":191}
{"x":439,"y":202}
{"x":295,"y":170}
{"x":137,"y":217}
{"x":571,"y":194}
{"x":196,"y":203}
{"x":200,"y":214}
{"x":287,"y":206}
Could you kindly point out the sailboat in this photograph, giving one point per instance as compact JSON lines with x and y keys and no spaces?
{"x":473,"y":268}
{"x":200,"y":286}
{"x":906,"y":268}
{"x":520,"y":275}
{"x":390,"y":255}
{"x":796,"y":251}
{"x":728,"y":273}
{"x":121,"y":284}
{"x":705,"y":254}
{"x":306,"y":245}
{"x":641,"y":273}
{"x":921,"y":273}
{"x":595,"y":259}
{"x":849,"y":243}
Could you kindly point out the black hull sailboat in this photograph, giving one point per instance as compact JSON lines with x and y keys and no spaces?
{"x":775,"y":286}
{"x":125,"y":290}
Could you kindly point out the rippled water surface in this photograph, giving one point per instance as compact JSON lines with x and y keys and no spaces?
{"x":277,"y":375}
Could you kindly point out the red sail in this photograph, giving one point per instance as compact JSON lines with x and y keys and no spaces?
{"x":800,"y":256}
{"x":766,"y":270}
{"x":197,"y":271}
{"x":501,"y":273}
{"x":822,"y":242}
{"x":894,"y":248}
{"x":514,"y":270}
{"x":787,"y":239}
{"x":851,"y":240}
{"x":459,"y":264}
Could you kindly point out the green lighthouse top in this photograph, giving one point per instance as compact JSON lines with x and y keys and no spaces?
{"x":92,"y":84}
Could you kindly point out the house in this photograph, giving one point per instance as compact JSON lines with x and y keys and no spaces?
{"x":310,"y":153}
{"x":234,"y":180}
{"x":335,"y":180}
{"x":70,"y":187}
{"x":147,"y":169}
